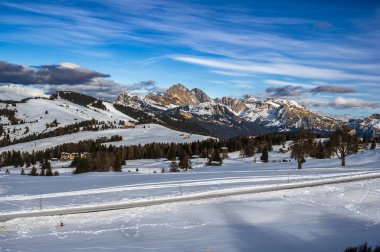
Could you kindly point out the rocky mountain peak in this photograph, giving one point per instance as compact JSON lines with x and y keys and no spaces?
{"x":181,"y":95}
{"x":201,"y":96}
{"x":234,"y":104}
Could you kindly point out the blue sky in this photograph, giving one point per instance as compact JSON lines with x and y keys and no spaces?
{"x":324,"y":54}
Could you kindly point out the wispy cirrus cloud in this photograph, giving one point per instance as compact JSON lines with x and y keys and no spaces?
{"x":285,"y":69}
{"x":232,"y":41}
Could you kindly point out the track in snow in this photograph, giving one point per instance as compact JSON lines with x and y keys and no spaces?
{"x":192,"y":197}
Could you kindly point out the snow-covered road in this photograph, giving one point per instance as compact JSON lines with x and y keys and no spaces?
{"x":181,"y":198}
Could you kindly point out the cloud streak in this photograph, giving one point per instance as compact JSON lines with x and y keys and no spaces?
{"x":285,"y":91}
{"x":332,"y":89}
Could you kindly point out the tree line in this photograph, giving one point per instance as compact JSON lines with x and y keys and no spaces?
{"x":88,"y":125}
{"x":342,"y":143}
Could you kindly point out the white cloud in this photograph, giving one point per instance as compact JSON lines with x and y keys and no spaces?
{"x":347,"y":103}
{"x":19,"y":92}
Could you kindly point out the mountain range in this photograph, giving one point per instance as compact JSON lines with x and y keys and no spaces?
{"x":181,"y":109}
{"x":229,"y":116}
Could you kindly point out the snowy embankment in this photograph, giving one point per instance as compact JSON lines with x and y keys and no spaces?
{"x":142,"y":134}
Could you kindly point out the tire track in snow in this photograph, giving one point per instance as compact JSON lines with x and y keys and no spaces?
{"x":191,"y":197}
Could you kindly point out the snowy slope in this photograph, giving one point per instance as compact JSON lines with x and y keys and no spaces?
{"x":140,"y":135}
{"x":327,"y":218}
{"x":25,"y":193}
{"x":33,"y":112}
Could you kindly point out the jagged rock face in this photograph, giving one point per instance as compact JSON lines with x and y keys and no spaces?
{"x":181,"y":95}
{"x":161,"y":100}
{"x":369,"y":126}
{"x":234,"y":104}
{"x":129,"y":99}
{"x":201,"y":96}
{"x":298,"y":117}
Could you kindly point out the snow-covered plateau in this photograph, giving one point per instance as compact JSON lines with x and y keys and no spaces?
{"x":323,"y":218}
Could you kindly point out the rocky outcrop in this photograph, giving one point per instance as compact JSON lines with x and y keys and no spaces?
{"x":201,"y":96}
{"x":369,"y":126}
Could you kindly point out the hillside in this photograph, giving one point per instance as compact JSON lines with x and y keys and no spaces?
{"x":41,"y":123}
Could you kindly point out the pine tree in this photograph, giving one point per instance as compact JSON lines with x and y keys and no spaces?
{"x":264,"y":155}
{"x":184,"y":161}
{"x":217,"y":157}
{"x":117,"y":164}
{"x":33,"y":172}
{"x":373,"y":145}
{"x":174,"y":166}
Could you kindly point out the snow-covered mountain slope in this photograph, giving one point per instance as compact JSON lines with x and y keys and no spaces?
{"x":369,"y":126}
{"x":228,"y":116}
{"x":142,"y":134}
{"x":35,"y":115}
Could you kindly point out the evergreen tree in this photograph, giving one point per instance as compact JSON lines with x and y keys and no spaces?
{"x":373,"y":145}
{"x":33,"y":172}
{"x":83,"y":165}
{"x":184,"y":160}
{"x":264,"y":155}
{"x":217,"y":157}
{"x":117,"y":164}
{"x":174,"y":166}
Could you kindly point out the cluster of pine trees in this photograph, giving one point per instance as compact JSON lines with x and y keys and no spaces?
{"x":10,"y":114}
{"x":45,"y":170}
{"x":89,"y":125}
{"x":27,"y":159}
{"x":363,"y":248}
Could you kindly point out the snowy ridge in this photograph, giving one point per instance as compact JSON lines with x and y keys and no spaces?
{"x":219,"y":114}
{"x":37,"y":113}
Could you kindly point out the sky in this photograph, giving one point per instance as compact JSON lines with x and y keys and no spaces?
{"x":323,"y":54}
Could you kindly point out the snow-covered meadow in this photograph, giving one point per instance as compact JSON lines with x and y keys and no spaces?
{"x":326,"y":218}
{"x":329,"y":217}
{"x":142,"y":134}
